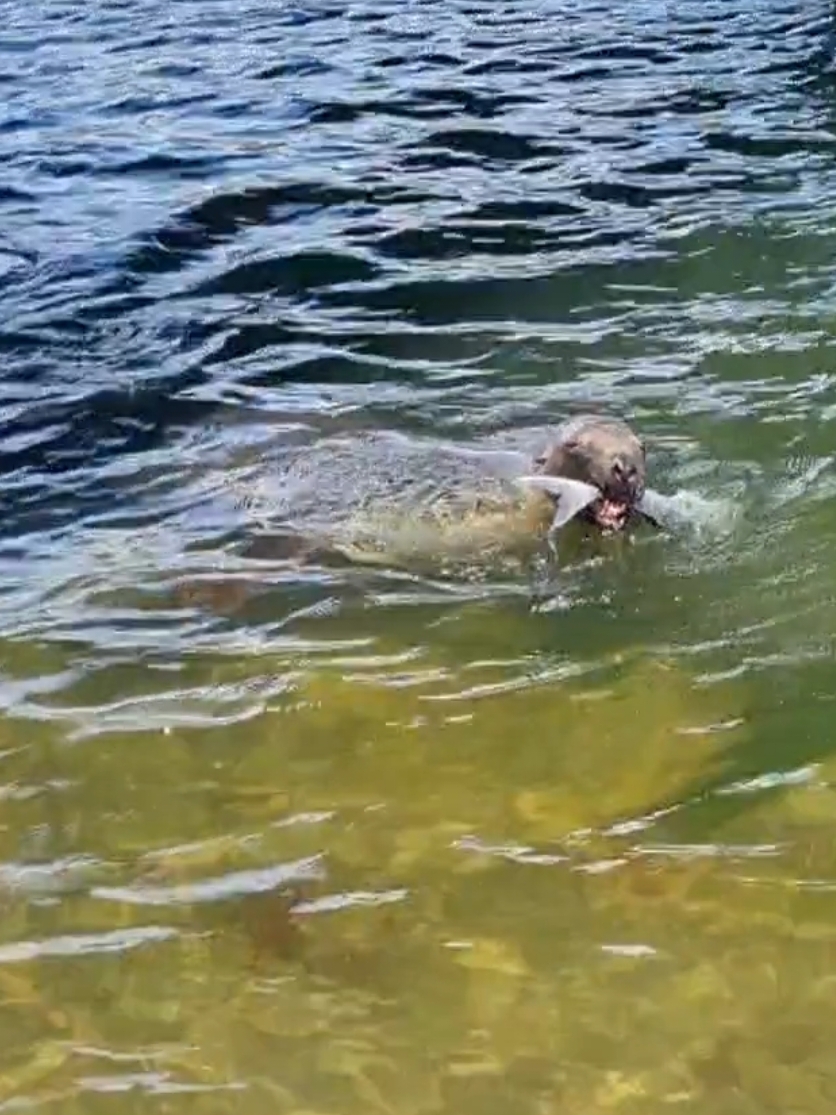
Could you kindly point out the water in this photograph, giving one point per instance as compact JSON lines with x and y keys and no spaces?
{"x":415,"y":827}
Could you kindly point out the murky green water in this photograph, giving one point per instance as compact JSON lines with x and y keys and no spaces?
{"x":321,"y":791}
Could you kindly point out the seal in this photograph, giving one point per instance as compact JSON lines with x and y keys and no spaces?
{"x":607,"y":454}
{"x":595,"y":469}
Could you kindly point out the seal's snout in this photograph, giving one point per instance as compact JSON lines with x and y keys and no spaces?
{"x":621,"y":487}
{"x":624,"y":481}
{"x":621,"y":470}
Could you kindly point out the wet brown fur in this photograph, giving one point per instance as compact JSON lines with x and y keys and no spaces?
{"x":602,"y":451}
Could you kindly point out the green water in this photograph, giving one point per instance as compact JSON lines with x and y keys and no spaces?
{"x":478,"y":860}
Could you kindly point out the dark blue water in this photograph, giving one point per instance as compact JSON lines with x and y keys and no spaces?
{"x":433,"y":210}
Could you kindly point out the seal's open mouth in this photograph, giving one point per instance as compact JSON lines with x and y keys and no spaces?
{"x":610,"y":514}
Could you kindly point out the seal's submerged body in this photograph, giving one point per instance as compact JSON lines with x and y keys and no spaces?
{"x":593,"y":468}
{"x":386,"y":498}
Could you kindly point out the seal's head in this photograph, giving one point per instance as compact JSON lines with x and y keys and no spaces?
{"x":606,"y":453}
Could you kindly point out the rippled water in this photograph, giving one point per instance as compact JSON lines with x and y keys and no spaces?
{"x":415,"y":823}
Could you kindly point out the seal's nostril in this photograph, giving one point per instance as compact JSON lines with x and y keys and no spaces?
{"x":618,"y":467}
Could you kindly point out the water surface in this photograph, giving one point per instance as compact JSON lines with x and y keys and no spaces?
{"x":305,"y":833}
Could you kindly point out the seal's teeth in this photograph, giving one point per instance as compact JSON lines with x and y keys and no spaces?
{"x":611,"y":514}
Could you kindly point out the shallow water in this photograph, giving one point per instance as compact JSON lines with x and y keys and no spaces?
{"x":450,"y":830}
